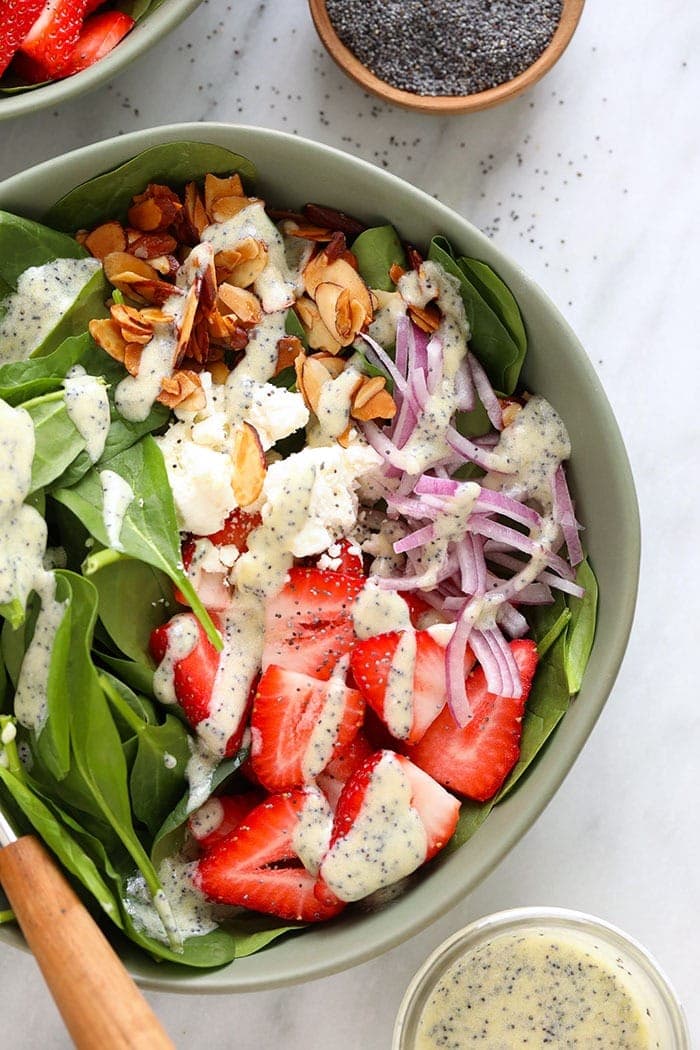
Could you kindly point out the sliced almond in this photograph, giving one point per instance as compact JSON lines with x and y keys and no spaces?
{"x":333,"y":365}
{"x":194,"y":211}
{"x":241,"y":265}
{"x":239,"y":301}
{"x":510,"y":411}
{"x":320,"y":271}
{"x":107,"y":335}
{"x":313,"y":377}
{"x":396,"y":272}
{"x":249,"y":466}
{"x":107,"y":238}
{"x":317,"y":334}
{"x":345,"y":438}
{"x":183,"y":388}
{"x":289,"y":347}
{"x":367,"y":390}
{"x":381,"y":406}
{"x":132,"y":358}
{"x":116,"y":263}
{"x":152,"y":245}
{"x":219,"y":372}
{"x":215,"y":188}
{"x":227,"y":208}
{"x":427,"y":318}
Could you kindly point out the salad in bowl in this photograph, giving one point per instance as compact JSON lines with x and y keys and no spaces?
{"x":292,"y":581}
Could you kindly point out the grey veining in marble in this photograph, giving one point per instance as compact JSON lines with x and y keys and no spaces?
{"x":590,"y":182}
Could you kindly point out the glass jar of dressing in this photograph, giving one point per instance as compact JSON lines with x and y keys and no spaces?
{"x":540,"y":977}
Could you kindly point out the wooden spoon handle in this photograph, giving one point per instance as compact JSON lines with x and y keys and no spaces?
{"x":100,"y":1004}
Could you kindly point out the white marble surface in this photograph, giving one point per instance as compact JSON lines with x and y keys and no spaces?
{"x":590,"y":181}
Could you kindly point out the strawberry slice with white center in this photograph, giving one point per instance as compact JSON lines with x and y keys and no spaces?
{"x":208,"y":559}
{"x":220,"y":815}
{"x":49,"y":43}
{"x":16,"y":19}
{"x":401,"y":675}
{"x":308,"y":624}
{"x":187,"y":667}
{"x":476,"y":759}
{"x":390,"y":819}
{"x":298,"y":723}
{"x":341,"y":767}
{"x":258,"y":867}
{"x":99,"y":35}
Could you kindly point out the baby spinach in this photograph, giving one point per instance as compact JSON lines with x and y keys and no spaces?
{"x":580,"y":631}
{"x":151,"y":602}
{"x":57,"y":440}
{"x":136,"y":675}
{"x":490,"y":340}
{"x":25,"y":380}
{"x":377,"y":250}
{"x":108,"y":196}
{"x":157,"y":777}
{"x":149,"y":531}
{"x":25,"y":243}
{"x":88,"y":304}
{"x":498,"y":296}
{"x":293,"y":326}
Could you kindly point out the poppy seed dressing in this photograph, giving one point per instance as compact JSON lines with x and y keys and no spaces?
{"x":449,"y":47}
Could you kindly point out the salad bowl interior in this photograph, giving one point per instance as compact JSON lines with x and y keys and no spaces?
{"x":292,"y":171}
{"x":157,"y":21}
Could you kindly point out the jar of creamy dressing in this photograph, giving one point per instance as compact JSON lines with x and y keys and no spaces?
{"x":540,"y":978}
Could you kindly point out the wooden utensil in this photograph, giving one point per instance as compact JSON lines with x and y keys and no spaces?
{"x":445,"y":104}
{"x":100,"y":1004}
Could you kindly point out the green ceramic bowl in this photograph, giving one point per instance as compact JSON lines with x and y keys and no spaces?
{"x":145,"y":34}
{"x":293,"y":171}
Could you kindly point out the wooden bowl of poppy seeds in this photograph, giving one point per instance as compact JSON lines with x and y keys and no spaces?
{"x":446,"y":56}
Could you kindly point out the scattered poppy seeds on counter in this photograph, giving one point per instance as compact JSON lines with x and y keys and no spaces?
{"x":450,"y":47}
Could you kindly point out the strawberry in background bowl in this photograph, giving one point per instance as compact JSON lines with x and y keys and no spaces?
{"x":51,"y":50}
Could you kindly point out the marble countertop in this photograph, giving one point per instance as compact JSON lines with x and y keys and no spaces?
{"x":590,"y":182}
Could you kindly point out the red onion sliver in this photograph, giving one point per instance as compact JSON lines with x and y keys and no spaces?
{"x":385,"y":362}
{"x":512,"y":621}
{"x":435,"y":359}
{"x":483,"y":458}
{"x":429,"y":486}
{"x":464,"y":388}
{"x":415,"y":539}
{"x":491,"y":501}
{"x":563,"y":510}
{"x":485,"y":392}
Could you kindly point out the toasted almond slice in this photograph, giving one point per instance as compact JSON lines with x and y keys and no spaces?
{"x":289,"y":347}
{"x":510,"y":411}
{"x":381,"y":406}
{"x":105,"y":239}
{"x":340,"y":272}
{"x":249,"y":466}
{"x":106,"y":334}
{"x":219,"y":372}
{"x":132,"y":358}
{"x":317,"y":334}
{"x":313,"y":377}
{"x":183,"y":388}
{"x":333,"y":365}
{"x":308,"y":232}
{"x":345,"y":438}
{"x":396,"y":272}
{"x":337,"y":312}
{"x":216,"y":188}
{"x":227,"y":208}
{"x":427,"y":318}
{"x":195,"y":212}
{"x":147,"y":215}
{"x":156,"y":292}
{"x":367,"y":390}
{"x":244,"y":304}
{"x":116,"y":263}
{"x":152,"y":245}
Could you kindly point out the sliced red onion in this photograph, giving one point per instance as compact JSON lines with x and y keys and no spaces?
{"x":417,"y":390}
{"x":411,"y":508}
{"x":435,"y":359}
{"x":485,"y":392}
{"x":384,"y":361}
{"x":465,"y":394}
{"x":496,"y":502}
{"x":512,"y":621}
{"x":429,"y":486}
{"x":404,"y":423}
{"x":417,"y":348}
{"x":380,"y":442}
{"x":491,"y":529}
{"x":415,"y":539}
{"x":455,"y":675}
{"x":401,"y":347}
{"x":563,"y":509}
{"x":468,"y":571}
{"x":471,"y":452}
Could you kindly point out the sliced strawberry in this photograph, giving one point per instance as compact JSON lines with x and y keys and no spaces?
{"x":258,"y":867}
{"x":375,"y":660}
{"x":220,"y":815}
{"x":212,"y":587}
{"x":16,"y":19}
{"x":390,"y":818}
{"x":193,"y":675}
{"x":476,"y":759}
{"x":298,"y":723}
{"x":50,"y":41}
{"x":343,"y":556}
{"x":341,"y":767}
{"x":418,"y":608}
{"x":308,"y":625}
{"x":93,"y":5}
{"x":99,"y":35}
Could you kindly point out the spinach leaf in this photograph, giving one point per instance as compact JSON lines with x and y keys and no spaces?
{"x":377,"y":250}
{"x":61,"y":843}
{"x":581,"y":629}
{"x":57,"y":440}
{"x":546,"y":706}
{"x":498,"y":296}
{"x":89,"y":303}
{"x":293,"y":326}
{"x":16,"y":635}
{"x":490,"y":340}
{"x":170,"y":835}
{"x":471,"y":816}
{"x":52,"y":744}
{"x":122,"y":432}
{"x":24,"y":243}
{"x":151,"y":602}
{"x":136,"y":675}
{"x":157,"y":779}
{"x":149,"y":531}
{"x":25,"y":380}
{"x":109,"y":195}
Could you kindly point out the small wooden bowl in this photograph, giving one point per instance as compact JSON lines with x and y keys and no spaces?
{"x":443,"y":104}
